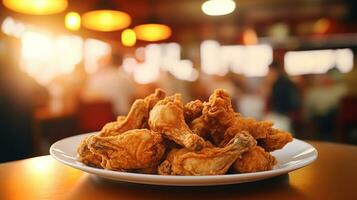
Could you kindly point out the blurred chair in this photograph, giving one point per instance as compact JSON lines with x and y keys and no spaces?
{"x":347,"y":117}
{"x":92,"y":116}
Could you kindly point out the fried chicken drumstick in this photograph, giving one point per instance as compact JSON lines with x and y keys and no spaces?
{"x":167,"y":118}
{"x":137,"y":116}
{"x":208,"y":161}
{"x":254,"y":160}
{"x":134,"y":149}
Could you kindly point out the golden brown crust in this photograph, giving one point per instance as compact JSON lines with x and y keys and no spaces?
{"x":86,"y":156}
{"x":208,"y":161}
{"x":134,"y":149}
{"x":276,"y":140}
{"x":167,"y":118}
{"x":192,"y":110}
{"x":164,"y":136}
{"x":254,"y":160}
{"x":137,"y":116}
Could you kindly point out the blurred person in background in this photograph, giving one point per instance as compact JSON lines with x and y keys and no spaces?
{"x":284,"y":98}
{"x":110,"y":83}
{"x":18,"y":97}
{"x":350,"y":78}
{"x":322,"y":100}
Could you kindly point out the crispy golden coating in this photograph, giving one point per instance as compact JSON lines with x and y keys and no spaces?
{"x":121,"y":118}
{"x":86,"y":156}
{"x":217,"y":116}
{"x":192,"y":110}
{"x":208,"y":161}
{"x":134,"y":149}
{"x":137,"y":116}
{"x":218,"y":111}
{"x":254,"y":160}
{"x":276,"y":140}
{"x":135,"y":119}
{"x":167,"y":118}
{"x":258,"y":129}
{"x":164,"y":136}
{"x":199,"y":127}
{"x":152,"y":99}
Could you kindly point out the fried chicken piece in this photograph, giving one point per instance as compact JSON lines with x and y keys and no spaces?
{"x":121,"y":118}
{"x":167,"y":118}
{"x":199,"y":127}
{"x":135,"y":119}
{"x":218,"y":111}
{"x":258,"y":129}
{"x":137,"y":116}
{"x":276,"y":140}
{"x":86,"y":156}
{"x":217,"y":116}
{"x":254,"y":160}
{"x":192,"y":110}
{"x":208,"y":161}
{"x":153,"y":98}
{"x":134,"y":149}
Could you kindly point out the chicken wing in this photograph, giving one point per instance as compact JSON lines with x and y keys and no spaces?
{"x":153,"y":98}
{"x":208,"y":161}
{"x":135,"y":119}
{"x":217,"y":116}
{"x":277,"y":139}
{"x":199,"y":127}
{"x":192,"y":110}
{"x":86,"y":156}
{"x":255,"y":159}
{"x":137,"y":116}
{"x":134,"y":149}
{"x":258,"y":129}
{"x":167,"y":118}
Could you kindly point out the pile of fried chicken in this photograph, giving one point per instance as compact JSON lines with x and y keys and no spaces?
{"x":162,"y":135}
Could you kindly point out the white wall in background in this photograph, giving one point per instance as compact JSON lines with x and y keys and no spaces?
{"x":318,"y":61}
{"x":249,"y":60}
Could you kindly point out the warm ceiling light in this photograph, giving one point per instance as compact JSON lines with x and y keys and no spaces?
{"x":250,"y":37}
{"x":322,"y":25}
{"x":36,"y":7}
{"x":73,"y":21}
{"x":128,"y":37}
{"x":106,"y":20}
{"x":218,"y":7}
{"x":152,"y":32}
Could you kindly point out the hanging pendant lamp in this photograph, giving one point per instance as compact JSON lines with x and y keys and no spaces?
{"x":106,"y":18}
{"x":153,"y":30}
{"x":36,"y":7}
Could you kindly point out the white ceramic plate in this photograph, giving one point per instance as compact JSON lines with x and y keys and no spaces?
{"x":293,"y":156}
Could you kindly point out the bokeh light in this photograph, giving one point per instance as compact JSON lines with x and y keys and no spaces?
{"x":152,"y":32}
{"x":106,"y":20}
{"x":73,"y":21}
{"x":128,"y":38}
{"x":218,"y":7}
{"x":36,"y":7}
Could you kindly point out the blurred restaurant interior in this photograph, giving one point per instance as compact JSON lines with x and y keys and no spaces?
{"x":68,"y":67}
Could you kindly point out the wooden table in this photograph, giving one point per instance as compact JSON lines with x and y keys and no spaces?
{"x":332,"y":176}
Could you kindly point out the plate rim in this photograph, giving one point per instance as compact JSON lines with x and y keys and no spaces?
{"x":141,"y":178}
